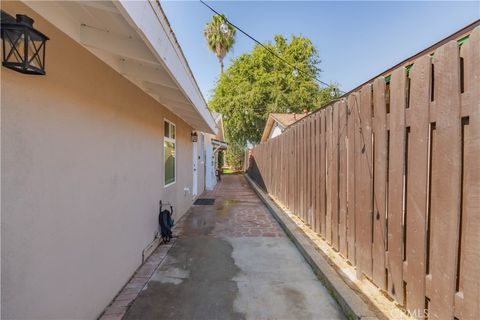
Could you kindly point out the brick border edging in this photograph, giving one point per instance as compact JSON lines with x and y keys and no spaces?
{"x":119,"y":306}
{"x":351,"y":303}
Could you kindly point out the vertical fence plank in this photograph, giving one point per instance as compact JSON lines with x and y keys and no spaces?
{"x":297,"y":168}
{"x":284,"y":170}
{"x":279,"y":173}
{"x":329,"y":180}
{"x":306,"y":176}
{"x":417,"y":180}
{"x":305,"y":173}
{"x":342,"y":176}
{"x":470,"y":257}
{"x":309,"y":172}
{"x":313,"y":173}
{"x":275,"y":173}
{"x":292,"y":167}
{"x":317,"y":172}
{"x":323,"y":177}
{"x":289,"y":168}
{"x":300,"y":163}
{"x":395,"y":186}
{"x":380,"y":182}
{"x":302,"y":171}
{"x":264,"y":165}
{"x":269,"y":167}
{"x":446,"y":181}
{"x":364,"y":182}
{"x":351,"y":177}
{"x":306,"y":164}
{"x":273,"y":167}
{"x":334,"y":176}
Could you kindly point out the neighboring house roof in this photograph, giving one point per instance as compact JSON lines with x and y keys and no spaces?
{"x":283,"y":120}
{"x":135,"y":39}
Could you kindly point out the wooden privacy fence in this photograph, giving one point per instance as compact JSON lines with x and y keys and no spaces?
{"x":390,"y":177}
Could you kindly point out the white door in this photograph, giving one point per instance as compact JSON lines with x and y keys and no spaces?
{"x":195,"y":171}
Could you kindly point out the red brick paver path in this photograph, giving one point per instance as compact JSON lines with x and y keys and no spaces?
{"x":237,"y":212}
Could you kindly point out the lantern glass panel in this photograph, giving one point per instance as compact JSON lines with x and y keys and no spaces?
{"x":36,"y":52}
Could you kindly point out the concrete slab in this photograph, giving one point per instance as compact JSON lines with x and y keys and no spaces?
{"x":354,"y":304}
{"x":277,"y":283}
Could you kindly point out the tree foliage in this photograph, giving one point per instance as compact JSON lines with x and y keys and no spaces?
{"x":220,"y":37}
{"x":258,"y":83}
{"x":234,"y":156}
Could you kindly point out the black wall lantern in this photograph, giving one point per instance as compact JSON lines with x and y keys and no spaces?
{"x":194,"y":136}
{"x":23,"y":47}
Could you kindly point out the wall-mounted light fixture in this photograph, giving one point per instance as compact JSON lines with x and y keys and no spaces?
{"x":23,"y":46}
{"x":194,"y":136}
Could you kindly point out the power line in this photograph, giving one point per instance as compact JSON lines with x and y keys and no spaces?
{"x":266,"y":48}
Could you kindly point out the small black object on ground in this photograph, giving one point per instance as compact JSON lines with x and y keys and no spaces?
{"x":205,"y":202}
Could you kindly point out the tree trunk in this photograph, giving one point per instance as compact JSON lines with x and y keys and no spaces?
{"x":221,"y":66}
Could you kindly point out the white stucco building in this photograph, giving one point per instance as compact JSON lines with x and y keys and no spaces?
{"x":278,"y":122}
{"x":89,"y":149}
{"x":214,"y":144}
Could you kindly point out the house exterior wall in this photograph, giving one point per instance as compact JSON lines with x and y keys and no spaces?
{"x":201,"y":163}
{"x":82,"y":174}
{"x":210,"y":178}
{"x":211,"y":157}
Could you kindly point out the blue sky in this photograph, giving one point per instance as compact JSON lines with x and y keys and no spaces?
{"x":355,"y":40}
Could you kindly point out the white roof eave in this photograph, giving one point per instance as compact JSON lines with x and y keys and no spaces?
{"x":135,"y":39}
{"x":153,"y":27}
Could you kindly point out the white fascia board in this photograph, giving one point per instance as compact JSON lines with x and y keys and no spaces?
{"x":221,"y":144}
{"x":150,"y":23}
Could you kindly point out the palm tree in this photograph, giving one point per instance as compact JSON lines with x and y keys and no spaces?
{"x":220,"y":37}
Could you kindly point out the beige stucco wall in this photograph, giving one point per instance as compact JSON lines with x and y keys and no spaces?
{"x":82,"y":173}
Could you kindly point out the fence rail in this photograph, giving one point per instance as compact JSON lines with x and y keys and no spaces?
{"x":390,"y":177}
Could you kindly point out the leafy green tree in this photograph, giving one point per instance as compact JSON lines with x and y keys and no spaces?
{"x":234,"y":156}
{"x":220,"y":37}
{"x":220,"y":160}
{"x":258,"y":83}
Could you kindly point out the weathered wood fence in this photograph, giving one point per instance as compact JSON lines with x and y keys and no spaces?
{"x":390,"y":177}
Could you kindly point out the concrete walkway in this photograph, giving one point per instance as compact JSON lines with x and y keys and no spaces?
{"x":233,"y":261}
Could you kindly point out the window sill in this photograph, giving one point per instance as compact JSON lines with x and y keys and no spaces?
{"x":169,"y":185}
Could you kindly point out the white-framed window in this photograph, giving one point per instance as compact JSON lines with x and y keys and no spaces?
{"x":169,"y":151}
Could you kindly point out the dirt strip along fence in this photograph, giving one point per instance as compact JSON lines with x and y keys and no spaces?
{"x":389,"y":176}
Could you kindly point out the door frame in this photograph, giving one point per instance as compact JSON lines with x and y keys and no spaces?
{"x":195,"y":169}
